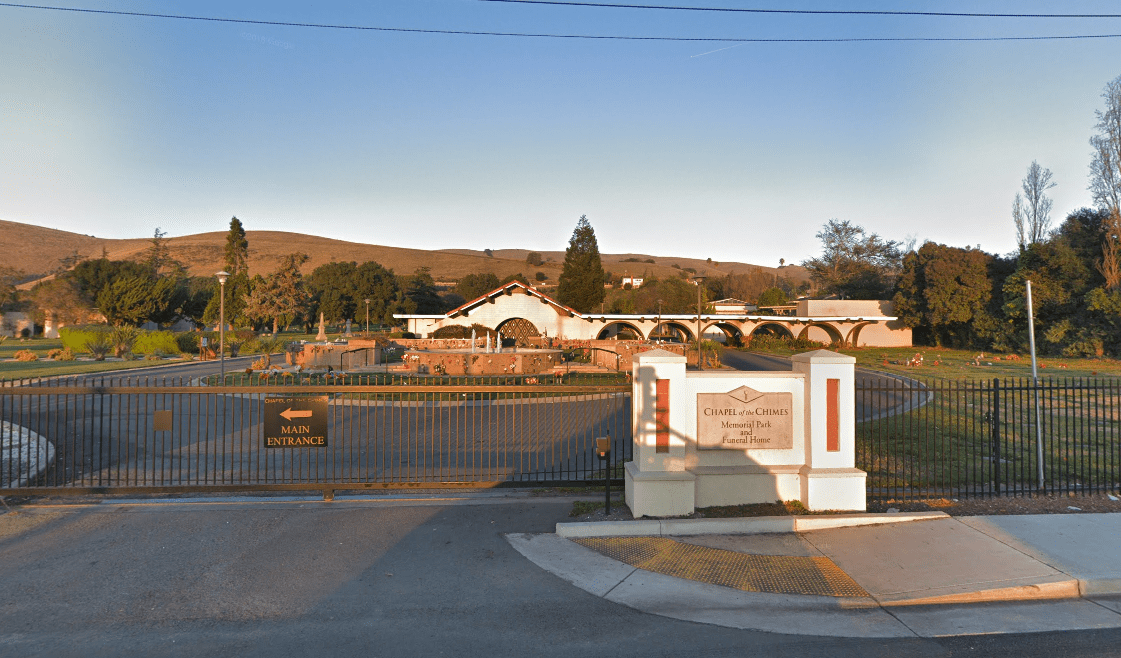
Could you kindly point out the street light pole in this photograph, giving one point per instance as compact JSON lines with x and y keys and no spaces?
{"x":222,"y":276}
{"x":658,"y":329}
{"x":700,"y":357}
{"x":367,"y":317}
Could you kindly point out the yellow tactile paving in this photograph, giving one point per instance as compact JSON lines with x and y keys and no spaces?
{"x":778,"y":574}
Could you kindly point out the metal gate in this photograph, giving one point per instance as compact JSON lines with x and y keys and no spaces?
{"x":129,"y":436}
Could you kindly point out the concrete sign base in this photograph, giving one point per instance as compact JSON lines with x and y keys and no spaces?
{"x":730,"y":438}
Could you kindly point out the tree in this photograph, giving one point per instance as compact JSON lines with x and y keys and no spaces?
{"x":281,"y":297}
{"x":132,"y":300}
{"x":854,"y":265}
{"x":474,"y":286}
{"x":1105,"y":167}
{"x":94,"y":276}
{"x":534,"y":258}
{"x":1031,"y":212}
{"x":747,"y":286}
{"x":158,"y":258}
{"x":772,"y":297}
{"x":331,"y":287}
{"x":237,"y":286}
{"x":581,"y":281}
{"x":9,"y":276}
{"x":944,"y":293}
{"x":420,"y":289}
{"x":1060,"y":281}
{"x":62,"y":300}
{"x":1105,"y":179}
{"x":379,"y":285}
{"x":197,"y":292}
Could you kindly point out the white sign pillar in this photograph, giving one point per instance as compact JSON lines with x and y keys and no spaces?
{"x":657,"y":483}
{"x":829,"y":478}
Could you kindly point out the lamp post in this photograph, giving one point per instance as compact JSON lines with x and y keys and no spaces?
{"x":367,"y":317}
{"x":658,"y":329}
{"x":700,"y":357}
{"x":222,"y":276}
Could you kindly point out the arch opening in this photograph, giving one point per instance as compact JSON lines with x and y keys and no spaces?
{"x":814,"y":330}
{"x":620,"y":331}
{"x":729,"y":334}
{"x":770,"y":330}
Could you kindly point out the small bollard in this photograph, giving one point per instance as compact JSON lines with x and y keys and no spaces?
{"x":603,"y":449}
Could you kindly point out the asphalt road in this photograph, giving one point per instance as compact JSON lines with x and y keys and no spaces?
{"x":877,"y":394}
{"x":302,"y":578}
{"x":111,"y":440}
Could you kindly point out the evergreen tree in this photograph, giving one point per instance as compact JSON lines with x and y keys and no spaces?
{"x":581,"y":281}
{"x":237,"y":287}
{"x":473,"y":286}
{"x":421,"y":290}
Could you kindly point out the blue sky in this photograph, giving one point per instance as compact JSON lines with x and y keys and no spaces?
{"x":114,"y":125}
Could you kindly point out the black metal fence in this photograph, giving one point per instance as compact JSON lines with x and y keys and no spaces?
{"x":914,"y":438}
{"x":133,"y":435}
{"x":988,"y":437}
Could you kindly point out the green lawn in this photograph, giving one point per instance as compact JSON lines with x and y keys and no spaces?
{"x":945,"y":363}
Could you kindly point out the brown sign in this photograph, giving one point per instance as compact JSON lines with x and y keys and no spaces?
{"x":296,"y":422}
{"x":745,"y":419}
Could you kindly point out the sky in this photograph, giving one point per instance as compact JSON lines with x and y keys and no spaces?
{"x":114,"y":125}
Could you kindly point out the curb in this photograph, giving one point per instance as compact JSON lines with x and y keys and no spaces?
{"x":750,"y":526}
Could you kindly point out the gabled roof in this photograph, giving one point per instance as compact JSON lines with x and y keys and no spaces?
{"x":730,"y":301}
{"x":506,"y":290}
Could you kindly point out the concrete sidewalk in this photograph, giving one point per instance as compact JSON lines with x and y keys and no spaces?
{"x":924,"y":575}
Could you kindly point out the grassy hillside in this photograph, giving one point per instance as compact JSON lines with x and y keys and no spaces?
{"x":39,"y":251}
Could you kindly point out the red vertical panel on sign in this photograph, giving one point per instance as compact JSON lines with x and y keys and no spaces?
{"x":661,"y":417}
{"x":832,"y":415}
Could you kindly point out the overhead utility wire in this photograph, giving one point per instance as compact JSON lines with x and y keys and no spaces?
{"x":246,"y":21}
{"x":832,"y":12}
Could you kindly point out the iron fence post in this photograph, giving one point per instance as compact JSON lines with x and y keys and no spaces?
{"x":995,"y":417}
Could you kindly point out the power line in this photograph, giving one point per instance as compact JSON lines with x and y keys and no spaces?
{"x":832,"y":12}
{"x":542,"y":35}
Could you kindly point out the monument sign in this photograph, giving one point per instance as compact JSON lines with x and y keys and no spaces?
{"x":745,"y":419}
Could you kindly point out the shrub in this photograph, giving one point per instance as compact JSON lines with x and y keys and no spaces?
{"x":64,"y":354}
{"x":26,"y":355}
{"x":124,"y":338}
{"x":98,"y":345}
{"x":187,"y":342}
{"x":76,"y":337}
{"x":153,"y":342}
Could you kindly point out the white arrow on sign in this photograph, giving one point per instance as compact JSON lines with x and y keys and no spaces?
{"x":288,"y":414}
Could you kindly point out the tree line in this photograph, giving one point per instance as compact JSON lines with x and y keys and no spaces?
{"x":965,"y":297}
{"x":156,"y":288}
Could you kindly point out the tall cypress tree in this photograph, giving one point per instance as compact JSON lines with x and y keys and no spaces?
{"x":581,"y":281}
{"x":237,"y":287}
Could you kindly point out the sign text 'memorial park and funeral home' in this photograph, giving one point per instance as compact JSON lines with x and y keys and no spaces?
{"x":745,"y":419}
{"x":296,"y":422}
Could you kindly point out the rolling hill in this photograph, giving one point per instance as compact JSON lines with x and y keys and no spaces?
{"x":39,"y":252}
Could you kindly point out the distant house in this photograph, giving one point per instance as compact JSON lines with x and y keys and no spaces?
{"x":635,"y":281}
{"x":732,"y":306}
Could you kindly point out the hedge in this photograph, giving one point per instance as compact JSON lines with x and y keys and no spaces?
{"x":148,"y":342}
